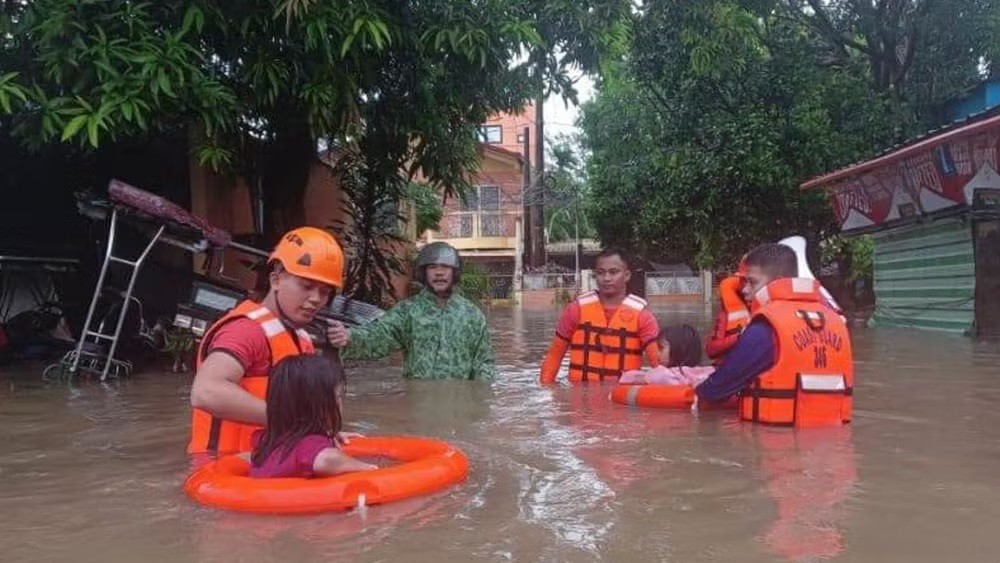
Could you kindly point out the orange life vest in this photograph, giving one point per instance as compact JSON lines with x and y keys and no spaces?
{"x":601,"y":348}
{"x":812,"y":380}
{"x":210,"y":434}
{"x":732,"y":319}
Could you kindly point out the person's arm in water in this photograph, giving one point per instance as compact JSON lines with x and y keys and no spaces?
{"x":483,"y":361}
{"x":333,"y":461}
{"x":216,"y":387}
{"x":553,"y":359}
{"x":379,"y":338}
{"x":753,"y":354}
{"x":560,"y":343}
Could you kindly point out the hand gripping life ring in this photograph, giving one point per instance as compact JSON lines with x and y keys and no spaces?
{"x":656,"y":396}
{"x":427,"y":465}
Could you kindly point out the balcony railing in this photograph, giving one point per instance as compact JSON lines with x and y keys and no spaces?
{"x":478,"y":224}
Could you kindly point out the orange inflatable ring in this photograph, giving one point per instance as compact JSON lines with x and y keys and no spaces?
{"x":656,"y":396}
{"x":427,"y":466}
{"x":666,"y":397}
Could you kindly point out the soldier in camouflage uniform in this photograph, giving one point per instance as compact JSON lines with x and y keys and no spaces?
{"x":442,"y":334}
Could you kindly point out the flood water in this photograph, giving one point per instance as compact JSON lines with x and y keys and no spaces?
{"x":95,"y":473}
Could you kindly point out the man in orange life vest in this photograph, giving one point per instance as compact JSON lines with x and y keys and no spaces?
{"x":606,"y":331}
{"x":793,"y":364}
{"x":237,"y":352}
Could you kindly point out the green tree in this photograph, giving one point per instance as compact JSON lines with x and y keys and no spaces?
{"x":427,"y":206}
{"x":565,"y":194}
{"x":920,"y":51}
{"x":255,"y":85}
{"x":700,"y":139}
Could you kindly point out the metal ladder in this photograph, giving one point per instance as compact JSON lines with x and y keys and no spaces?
{"x":98,"y":361}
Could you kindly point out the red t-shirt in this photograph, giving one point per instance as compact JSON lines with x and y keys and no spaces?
{"x":649,"y":329}
{"x":244,"y":340}
{"x":298,"y":462}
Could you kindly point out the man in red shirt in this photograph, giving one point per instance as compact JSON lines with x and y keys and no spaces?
{"x":237,"y":352}
{"x":607,"y":331}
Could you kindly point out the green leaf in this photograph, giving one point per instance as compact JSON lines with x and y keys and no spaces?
{"x":358,"y":22}
{"x":381,"y":25}
{"x":73,"y":127}
{"x":92,"y":132}
{"x":140,"y":119}
{"x":346,"y":45}
{"x":164,"y":82}
{"x":375,"y":34}
{"x":193,"y":17}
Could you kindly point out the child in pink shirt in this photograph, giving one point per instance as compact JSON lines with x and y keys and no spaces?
{"x":303,"y":436}
{"x":680,"y":356}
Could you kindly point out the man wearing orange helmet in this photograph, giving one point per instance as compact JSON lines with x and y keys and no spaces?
{"x":236,"y":353}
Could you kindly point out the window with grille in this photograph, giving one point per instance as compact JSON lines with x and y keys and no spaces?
{"x":490,"y":220}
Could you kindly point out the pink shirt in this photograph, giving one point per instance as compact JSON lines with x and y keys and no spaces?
{"x":649,"y":330}
{"x":298,"y":462}
{"x":683,"y":375}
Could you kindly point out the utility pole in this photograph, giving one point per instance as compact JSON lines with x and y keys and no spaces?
{"x":576,"y":227}
{"x":526,"y":196}
{"x":538,"y":196}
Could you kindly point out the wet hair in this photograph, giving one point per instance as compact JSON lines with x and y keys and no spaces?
{"x":776,"y":260}
{"x":614,"y":251}
{"x":301,"y":400}
{"x":685,"y":345}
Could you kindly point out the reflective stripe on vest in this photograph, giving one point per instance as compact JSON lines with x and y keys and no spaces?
{"x":212,"y":434}
{"x":812,"y":381}
{"x":605,"y":348}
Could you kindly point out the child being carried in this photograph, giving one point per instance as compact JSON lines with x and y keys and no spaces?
{"x":680,"y":359}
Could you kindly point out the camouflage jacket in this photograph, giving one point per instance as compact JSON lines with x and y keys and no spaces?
{"x":449,"y":342}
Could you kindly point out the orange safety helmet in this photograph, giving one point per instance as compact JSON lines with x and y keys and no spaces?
{"x":312,"y":254}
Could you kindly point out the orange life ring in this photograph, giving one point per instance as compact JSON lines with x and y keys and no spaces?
{"x":666,"y":397}
{"x":656,"y":396}
{"x":427,"y":466}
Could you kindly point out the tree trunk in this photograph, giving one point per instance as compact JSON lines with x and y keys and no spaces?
{"x":287,"y":160}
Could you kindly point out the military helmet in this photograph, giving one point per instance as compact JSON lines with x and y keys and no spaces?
{"x":440,"y":253}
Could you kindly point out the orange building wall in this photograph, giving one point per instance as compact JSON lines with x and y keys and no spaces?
{"x":513,"y":124}
{"x":497,"y":170}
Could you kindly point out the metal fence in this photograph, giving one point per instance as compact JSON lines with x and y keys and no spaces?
{"x":500,"y":286}
{"x":669,"y":283}
{"x":549,"y":281}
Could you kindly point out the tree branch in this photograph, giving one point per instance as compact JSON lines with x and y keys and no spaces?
{"x":827,"y":29}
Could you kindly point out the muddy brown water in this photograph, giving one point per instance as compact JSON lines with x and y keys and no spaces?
{"x":94,"y":473}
